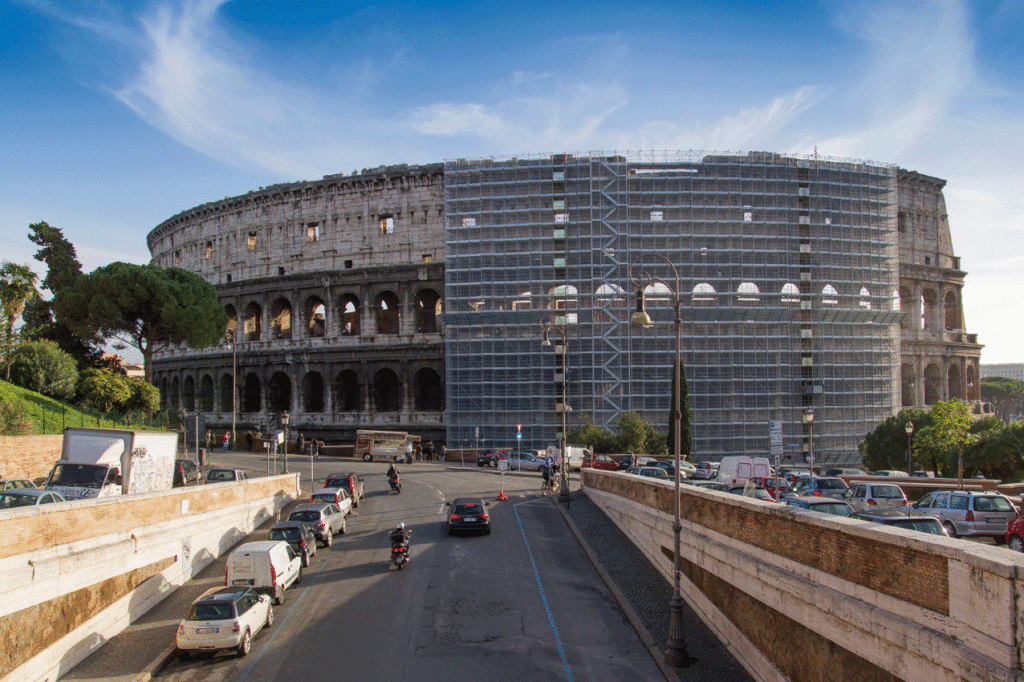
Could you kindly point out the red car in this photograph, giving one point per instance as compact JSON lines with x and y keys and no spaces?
{"x":769,"y":485}
{"x":1015,"y":534}
{"x":600,"y":462}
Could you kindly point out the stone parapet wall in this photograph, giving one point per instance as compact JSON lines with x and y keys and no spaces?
{"x":28,"y":456}
{"x":801,"y":595}
{"x":109,"y":561}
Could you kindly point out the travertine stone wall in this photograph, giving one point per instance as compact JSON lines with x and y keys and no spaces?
{"x":801,"y":595}
{"x":28,"y":456}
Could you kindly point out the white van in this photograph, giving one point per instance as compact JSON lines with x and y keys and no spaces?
{"x":269,"y":566}
{"x":741,"y":468}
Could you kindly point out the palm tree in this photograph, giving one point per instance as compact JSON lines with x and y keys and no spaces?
{"x":17,"y":287}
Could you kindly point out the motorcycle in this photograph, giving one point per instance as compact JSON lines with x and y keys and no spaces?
{"x":399,"y":552}
{"x":396,"y":484}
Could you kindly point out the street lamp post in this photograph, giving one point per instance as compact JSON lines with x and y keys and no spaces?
{"x":563,"y":475}
{"x":910,"y":433}
{"x":229,"y":336}
{"x":284,"y":426}
{"x":675,"y":649}
{"x":809,"y":420}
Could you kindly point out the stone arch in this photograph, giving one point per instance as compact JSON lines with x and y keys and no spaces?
{"x":428,"y":307}
{"x":387,"y":391}
{"x":226,"y":391}
{"x":175,"y":393}
{"x":427,"y":391}
{"x":229,"y":331}
{"x":907,"y":385}
{"x":953,"y":382}
{"x":350,"y":314}
{"x":704,"y":294}
{"x":253,"y":323}
{"x":388,"y":315}
{"x":348,"y":396}
{"x":314,"y":317}
{"x":932,"y":384}
{"x":907,"y":306}
{"x":928,"y":302}
{"x":188,"y":394}
{"x":313,"y":392}
{"x":951,"y":311}
{"x":973,"y":389}
{"x":252,"y":394}
{"x":206,"y":393}
{"x":281,"y":319}
{"x":279,"y":395}
{"x":163,"y":391}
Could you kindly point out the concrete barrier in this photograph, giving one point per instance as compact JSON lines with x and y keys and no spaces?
{"x":803,"y":596}
{"x":77,"y":573}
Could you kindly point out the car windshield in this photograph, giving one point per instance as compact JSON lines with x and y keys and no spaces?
{"x":308,"y":516}
{"x":468,"y":509}
{"x":887,"y":492}
{"x":923,"y":525}
{"x":221,"y":475}
{"x":831,"y":484}
{"x":992,"y":504}
{"x":338,"y":483}
{"x":12,"y":500}
{"x":325,"y":497}
{"x":82,"y":475}
{"x":211,"y":612}
{"x":832,"y":508}
{"x":285,"y":534}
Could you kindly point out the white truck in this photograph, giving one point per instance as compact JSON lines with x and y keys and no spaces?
{"x":741,"y":468}
{"x":576,"y":454}
{"x":107,"y":462}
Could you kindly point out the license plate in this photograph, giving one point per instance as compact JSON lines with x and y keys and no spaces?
{"x":207,"y":631}
{"x":470,"y":519}
{"x":241,"y":582}
{"x":996,"y":520}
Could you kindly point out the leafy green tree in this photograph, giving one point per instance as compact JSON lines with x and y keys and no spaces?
{"x":147,"y":307}
{"x":17,"y":287}
{"x":685,"y":431}
{"x":145,"y":397}
{"x":998,"y":453}
{"x":1006,"y":396}
{"x":942,"y":444}
{"x":63,"y":269}
{"x":886,"y":446}
{"x":597,"y":438}
{"x":42,"y":366}
{"x":639,"y":437}
{"x":104,"y":390}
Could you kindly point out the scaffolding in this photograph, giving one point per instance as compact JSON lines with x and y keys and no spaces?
{"x":788,"y":296}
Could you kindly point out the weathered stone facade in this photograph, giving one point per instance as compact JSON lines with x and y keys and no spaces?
{"x":334,"y":289}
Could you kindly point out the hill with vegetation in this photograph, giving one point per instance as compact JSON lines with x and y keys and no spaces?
{"x":25,"y":412}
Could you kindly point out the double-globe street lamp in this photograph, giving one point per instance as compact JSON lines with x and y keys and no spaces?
{"x":909,"y":427}
{"x":675,"y":649}
{"x":559,"y":324}
{"x":229,"y":338}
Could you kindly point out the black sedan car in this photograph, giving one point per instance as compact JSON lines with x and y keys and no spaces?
{"x":468,"y":514}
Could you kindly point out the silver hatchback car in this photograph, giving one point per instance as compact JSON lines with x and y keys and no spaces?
{"x":970,"y":513}
{"x":873,"y":496}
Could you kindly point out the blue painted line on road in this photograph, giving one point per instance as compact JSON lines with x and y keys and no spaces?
{"x":544,"y":599}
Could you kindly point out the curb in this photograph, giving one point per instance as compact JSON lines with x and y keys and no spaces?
{"x":156,"y":665}
{"x":620,"y":598}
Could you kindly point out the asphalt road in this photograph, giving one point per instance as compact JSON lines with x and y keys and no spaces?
{"x":522,"y":603}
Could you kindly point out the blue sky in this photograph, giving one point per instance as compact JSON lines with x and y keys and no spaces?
{"x":114,"y":116}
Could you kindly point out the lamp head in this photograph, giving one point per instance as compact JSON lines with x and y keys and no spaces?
{"x":640,"y":317}
{"x":909,"y":427}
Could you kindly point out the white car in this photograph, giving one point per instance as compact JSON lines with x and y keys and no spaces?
{"x":224,"y":618}
{"x":339,"y":497}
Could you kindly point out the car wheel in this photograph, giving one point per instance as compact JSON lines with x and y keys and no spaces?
{"x":279,"y":597}
{"x":270,"y":616}
{"x":305,"y":559}
{"x":487,"y":530}
{"x":367,"y":457}
{"x":450,"y":531}
{"x":480,"y":464}
{"x":298,"y":580}
{"x":950,"y":529}
{"x":1016,"y":544}
{"x":493,"y":463}
{"x":344,"y":527}
{"x":328,"y":539}
{"x":245,"y":644}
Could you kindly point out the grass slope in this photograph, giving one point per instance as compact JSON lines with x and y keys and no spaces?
{"x":50,"y":416}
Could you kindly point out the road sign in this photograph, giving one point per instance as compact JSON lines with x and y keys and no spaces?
{"x":519,"y":435}
{"x":502,"y":465}
{"x":775,"y":431}
{"x":503,"y":453}
{"x":550,"y":461}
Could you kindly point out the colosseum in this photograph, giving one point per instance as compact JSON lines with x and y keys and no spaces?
{"x":416,"y":298}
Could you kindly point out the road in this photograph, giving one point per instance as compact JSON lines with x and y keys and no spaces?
{"x":521,"y":603}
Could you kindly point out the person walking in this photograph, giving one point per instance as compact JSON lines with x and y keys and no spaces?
{"x":225,"y":440}
{"x":248,"y":441}
{"x":428,"y":451}
{"x":301,"y":443}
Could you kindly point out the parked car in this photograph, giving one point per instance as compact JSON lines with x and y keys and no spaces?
{"x":28,"y":497}
{"x":224,"y":618}
{"x":350,"y":482}
{"x":266,"y":566}
{"x":825,"y":505}
{"x":299,"y":535}
{"x":325,"y":520}
{"x":487,"y":459}
{"x":1015,"y":534}
{"x":468,"y":514}
{"x":774,"y":486}
{"x":791,"y":474}
{"x":650,"y":472}
{"x":339,"y":497}
{"x":525,"y":461}
{"x":891,"y":472}
{"x":751,"y":490}
{"x":222,"y":475}
{"x":705,"y":470}
{"x":17,"y":484}
{"x":903,"y":518}
{"x":818,"y":486}
{"x":970,"y":513}
{"x":863,"y":496}
{"x":923,"y":474}
{"x":599,"y":462}
{"x":186,"y":471}
{"x":845,"y":472}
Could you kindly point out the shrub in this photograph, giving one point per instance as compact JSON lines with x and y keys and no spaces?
{"x":42,"y":366}
{"x":13,"y":419}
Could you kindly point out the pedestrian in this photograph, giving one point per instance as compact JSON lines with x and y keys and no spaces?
{"x":419,"y":454}
{"x":209,"y":438}
{"x":225,"y":440}
{"x":248,"y":441}
{"x":444,"y":453}
{"x":408,"y":453}
{"x":428,"y":452}
{"x":301,"y":443}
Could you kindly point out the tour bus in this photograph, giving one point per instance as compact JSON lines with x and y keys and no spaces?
{"x":371,"y":445}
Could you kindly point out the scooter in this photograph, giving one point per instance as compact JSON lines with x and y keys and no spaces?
{"x":400,"y":551}
{"x":396,"y":484}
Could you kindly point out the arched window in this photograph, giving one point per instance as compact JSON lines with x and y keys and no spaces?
{"x":564,"y":296}
{"x":226,"y":389}
{"x":953,"y":383}
{"x":280,"y":396}
{"x":748,"y":292}
{"x":188,"y":394}
{"x":251,"y":396}
{"x":348,"y":396}
{"x":206,"y":393}
{"x":932,"y":385}
{"x":229,"y":332}
{"x":907,"y":385}
{"x":388,"y":316}
{"x":523,"y":301}
{"x":387,"y":391}
{"x":428,"y":307}
{"x":928,"y":303}
{"x":349,"y":305}
{"x":313,"y":313}
{"x":906,"y":303}
{"x":281,"y":319}
{"x":253,"y":322}
{"x":865,"y":298}
{"x":790,"y":293}
{"x":175,"y":393}
{"x":313,"y":392}
{"x":704,"y":293}
{"x":428,"y":393}
{"x":829,"y":295}
{"x":951,"y":308}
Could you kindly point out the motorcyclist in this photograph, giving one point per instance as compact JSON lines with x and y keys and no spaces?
{"x":392,"y":472}
{"x":400,"y":535}
{"x":545,"y":473}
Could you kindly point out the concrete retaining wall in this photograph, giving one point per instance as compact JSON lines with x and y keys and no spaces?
{"x":77,"y":573}
{"x":800,"y":596}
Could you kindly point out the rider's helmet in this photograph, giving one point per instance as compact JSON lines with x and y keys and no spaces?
{"x":401,"y":526}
